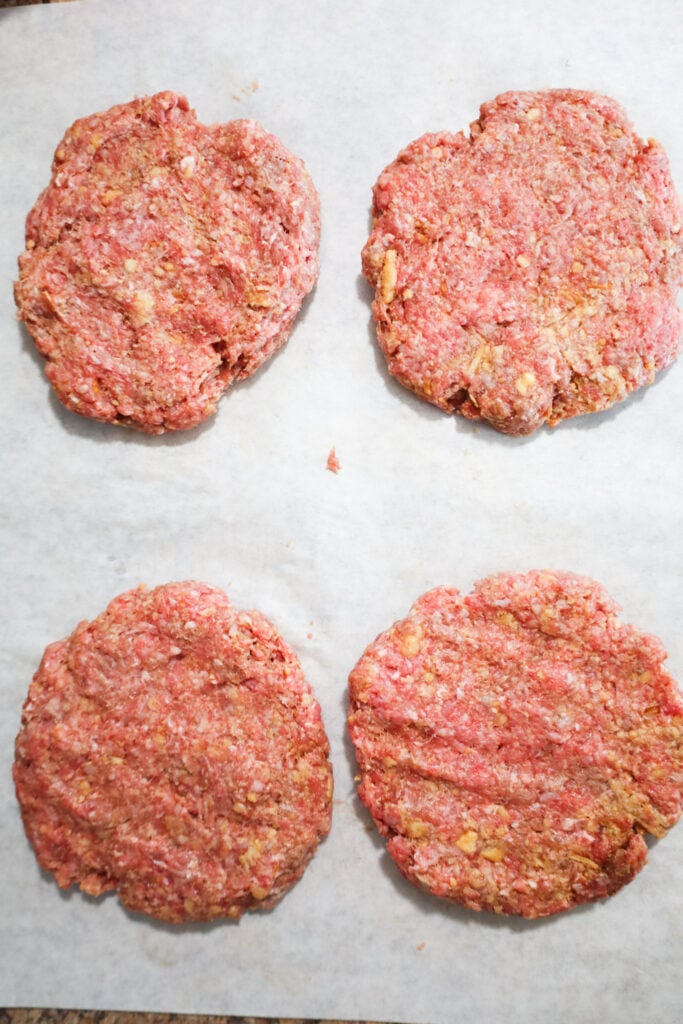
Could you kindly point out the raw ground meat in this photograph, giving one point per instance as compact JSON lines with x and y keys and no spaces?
{"x":515,"y":745}
{"x":165,"y":260}
{"x":172,"y":750}
{"x":333,"y":463}
{"x":528,"y":273}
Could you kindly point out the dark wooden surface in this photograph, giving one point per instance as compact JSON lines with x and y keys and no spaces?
{"x":26,"y":3}
{"x":36,"y":1016}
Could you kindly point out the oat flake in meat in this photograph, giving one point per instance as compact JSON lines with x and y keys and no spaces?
{"x":516,"y":745}
{"x":172,"y":750}
{"x":528,"y":273}
{"x":165,"y":260}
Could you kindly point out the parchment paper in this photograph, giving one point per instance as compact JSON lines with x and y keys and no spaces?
{"x":247,"y":503}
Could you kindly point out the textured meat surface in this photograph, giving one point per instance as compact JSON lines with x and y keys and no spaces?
{"x":165,"y":260}
{"x":515,"y":744}
{"x":172,"y":750}
{"x":528,"y":273}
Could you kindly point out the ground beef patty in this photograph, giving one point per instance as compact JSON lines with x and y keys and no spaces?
{"x":172,"y":750}
{"x":528,"y":273}
{"x":165,"y":260}
{"x":515,"y":744}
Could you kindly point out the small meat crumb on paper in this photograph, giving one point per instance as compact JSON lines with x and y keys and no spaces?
{"x":333,"y":463}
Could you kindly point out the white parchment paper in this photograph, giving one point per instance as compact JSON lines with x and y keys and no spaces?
{"x":246,"y":502}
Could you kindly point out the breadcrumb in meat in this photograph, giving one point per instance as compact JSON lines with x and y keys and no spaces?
{"x":516,"y":744}
{"x":165,"y":260}
{"x":528,"y":273}
{"x":173,"y":751}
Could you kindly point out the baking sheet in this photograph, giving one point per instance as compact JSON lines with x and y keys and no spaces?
{"x":246,"y":503}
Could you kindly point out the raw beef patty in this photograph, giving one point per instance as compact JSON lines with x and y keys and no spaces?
{"x":172,"y":750}
{"x":528,"y":273}
{"x":165,"y":260}
{"x":516,"y":745}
